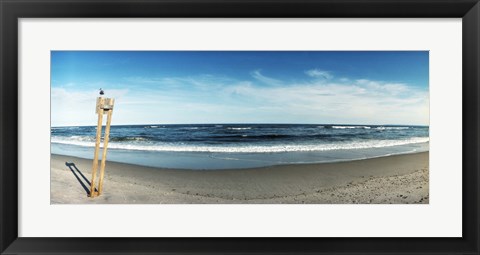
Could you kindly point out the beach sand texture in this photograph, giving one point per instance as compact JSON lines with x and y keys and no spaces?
{"x":399,"y":179}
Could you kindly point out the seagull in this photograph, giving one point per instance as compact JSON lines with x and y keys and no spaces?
{"x":101,"y":92}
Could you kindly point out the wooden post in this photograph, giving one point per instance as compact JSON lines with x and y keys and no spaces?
{"x":105,"y":147}
{"x":95,"y":155}
{"x":104,"y":105}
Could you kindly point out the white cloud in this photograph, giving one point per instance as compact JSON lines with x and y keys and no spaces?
{"x":317,"y":73}
{"x":208,"y":99}
{"x":74,"y":107}
{"x":361,"y":102}
{"x":262,"y":78}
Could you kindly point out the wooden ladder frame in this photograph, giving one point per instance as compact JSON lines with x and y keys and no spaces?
{"x":104,"y":106}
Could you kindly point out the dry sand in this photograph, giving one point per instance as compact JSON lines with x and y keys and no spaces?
{"x":397,"y":179}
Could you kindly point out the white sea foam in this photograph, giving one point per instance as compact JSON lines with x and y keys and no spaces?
{"x":396,"y":128}
{"x":368,"y":127}
{"x":350,"y":127}
{"x":83,"y":138}
{"x":170,"y":147}
{"x":239,"y":128}
{"x":153,"y":127}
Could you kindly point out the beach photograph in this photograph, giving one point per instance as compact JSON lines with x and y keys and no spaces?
{"x":239,"y":127}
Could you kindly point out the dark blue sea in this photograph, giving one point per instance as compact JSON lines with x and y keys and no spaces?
{"x":229,"y":146}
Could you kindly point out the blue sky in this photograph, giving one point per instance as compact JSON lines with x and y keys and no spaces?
{"x":176,"y":87}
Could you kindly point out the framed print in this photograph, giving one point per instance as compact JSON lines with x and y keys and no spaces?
{"x":239,"y":127}
{"x":238,"y":133}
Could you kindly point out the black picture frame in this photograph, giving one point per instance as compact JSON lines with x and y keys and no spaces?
{"x":12,"y":10}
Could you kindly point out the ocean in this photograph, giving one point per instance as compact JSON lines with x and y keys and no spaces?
{"x":231,"y":146}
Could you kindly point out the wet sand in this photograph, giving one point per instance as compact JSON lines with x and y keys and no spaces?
{"x":396,"y":179}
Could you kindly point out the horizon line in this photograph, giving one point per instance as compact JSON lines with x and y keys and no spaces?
{"x":260,"y":123}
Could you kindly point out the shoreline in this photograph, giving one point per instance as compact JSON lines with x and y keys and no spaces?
{"x":188,"y":160}
{"x":246,"y":168}
{"x":389,"y":179}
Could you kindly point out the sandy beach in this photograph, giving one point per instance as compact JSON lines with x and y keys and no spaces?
{"x":399,"y":179}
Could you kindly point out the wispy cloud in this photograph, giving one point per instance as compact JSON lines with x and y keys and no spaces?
{"x":257,"y":75}
{"x":362,"y":101}
{"x":214,"y":99}
{"x":317,"y":73}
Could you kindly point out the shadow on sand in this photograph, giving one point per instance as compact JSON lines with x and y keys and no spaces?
{"x":75,"y":170}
